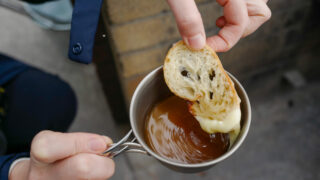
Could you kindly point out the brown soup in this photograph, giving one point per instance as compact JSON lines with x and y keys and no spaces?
{"x":172,"y":132}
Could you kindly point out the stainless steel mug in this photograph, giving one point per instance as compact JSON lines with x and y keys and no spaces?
{"x":149,"y":92}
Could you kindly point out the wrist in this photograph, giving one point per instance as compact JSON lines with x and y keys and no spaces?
{"x":20,"y":169}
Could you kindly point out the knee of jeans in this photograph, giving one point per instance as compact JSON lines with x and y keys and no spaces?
{"x":67,"y":103}
{"x":43,"y":98}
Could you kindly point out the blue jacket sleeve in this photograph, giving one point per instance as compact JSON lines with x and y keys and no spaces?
{"x":9,"y":68}
{"x":6,"y":161}
{"x":84,"y":23}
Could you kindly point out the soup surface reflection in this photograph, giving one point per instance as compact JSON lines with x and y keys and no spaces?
{"x":172,"y":132}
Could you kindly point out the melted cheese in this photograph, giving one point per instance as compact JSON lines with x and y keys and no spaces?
{"x":231,"y":124}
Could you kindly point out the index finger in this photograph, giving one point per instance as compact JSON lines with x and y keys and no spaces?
{"x":189,"y":22}
{"x":236,"y":16}
{"x":48,"y":146}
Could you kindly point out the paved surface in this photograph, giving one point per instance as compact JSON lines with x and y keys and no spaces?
{"x":283,"y":142}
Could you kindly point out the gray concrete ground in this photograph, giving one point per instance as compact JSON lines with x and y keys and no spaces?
{"x":283,"y":142}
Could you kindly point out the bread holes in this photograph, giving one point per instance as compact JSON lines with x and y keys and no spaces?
{"x":198,"y":76}
{"x":212,"y":74}
{"x":185,"y":73}
{"x":211,"y":94}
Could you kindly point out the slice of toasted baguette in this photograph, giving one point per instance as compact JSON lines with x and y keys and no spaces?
{"x":199,"y":77}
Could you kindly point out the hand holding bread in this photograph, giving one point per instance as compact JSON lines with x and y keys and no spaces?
{"x":240,"y":18}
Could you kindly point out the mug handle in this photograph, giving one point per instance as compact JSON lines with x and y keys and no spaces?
{"x":125,"y":145}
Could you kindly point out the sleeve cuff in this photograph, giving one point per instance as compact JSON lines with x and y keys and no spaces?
{"x":6,"y":162}
{"x":16,"y":162}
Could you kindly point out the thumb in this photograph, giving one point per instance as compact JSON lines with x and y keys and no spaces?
{"x":48,"y":146}
{"x":189,"y":22}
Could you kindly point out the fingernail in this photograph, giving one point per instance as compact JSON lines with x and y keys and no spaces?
{"x":196,"y":42}
{"x":97,"y":144}
{"x":108,"y":140}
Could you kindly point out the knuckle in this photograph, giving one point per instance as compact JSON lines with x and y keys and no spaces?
{"x":265,"y":11}
{"x":190,"y":21}
{"x":227,"y":48}
{"x":268,"y":13}
{"x":39,"y":146}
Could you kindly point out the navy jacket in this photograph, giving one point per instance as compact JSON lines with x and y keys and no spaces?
{"x":83,"y":28}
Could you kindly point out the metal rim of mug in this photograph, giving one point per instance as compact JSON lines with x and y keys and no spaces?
{"x":197,"y":165}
